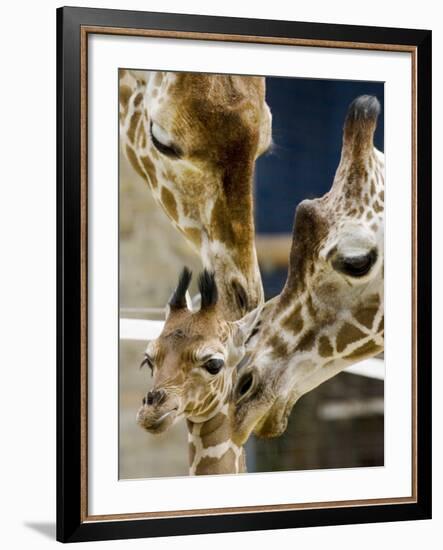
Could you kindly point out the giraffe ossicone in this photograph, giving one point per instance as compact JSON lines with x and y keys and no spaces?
{"x":193,"y":364}
{"x":194,"y":138}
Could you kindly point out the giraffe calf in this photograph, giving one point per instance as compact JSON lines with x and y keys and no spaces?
{"x":193,"y":366}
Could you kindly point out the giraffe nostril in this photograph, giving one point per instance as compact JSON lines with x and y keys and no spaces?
{"x":155,"y":397}
{"x":240,"y":295}
{"x":244,"y":384}
{"x":161,"y":395}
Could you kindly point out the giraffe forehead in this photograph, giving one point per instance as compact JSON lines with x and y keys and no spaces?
{"x":225,"y":92}
{"x":199,"y":335}
{"x":193,"y":106}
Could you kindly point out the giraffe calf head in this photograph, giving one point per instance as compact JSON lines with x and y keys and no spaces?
{"x":193,"y":360}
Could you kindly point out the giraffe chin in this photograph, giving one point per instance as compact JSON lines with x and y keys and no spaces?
{"x":155,"y":421}
{"x":274,"y":423}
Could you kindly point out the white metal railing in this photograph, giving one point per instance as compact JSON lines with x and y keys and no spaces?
{"x":142,"y":329}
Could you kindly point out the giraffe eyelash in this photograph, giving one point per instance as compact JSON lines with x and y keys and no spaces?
{"x":170,"y":150}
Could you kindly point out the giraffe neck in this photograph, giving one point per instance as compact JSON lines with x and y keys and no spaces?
{"x":318,"y":344}
{"x":211,"y":447}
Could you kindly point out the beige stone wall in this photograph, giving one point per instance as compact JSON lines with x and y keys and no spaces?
{"x":152,"y":251}
{"x":152,"y":254}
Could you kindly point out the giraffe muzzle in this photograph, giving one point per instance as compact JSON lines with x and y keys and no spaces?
{"x":158,"y":412}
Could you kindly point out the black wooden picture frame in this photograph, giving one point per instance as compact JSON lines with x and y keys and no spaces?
{"x":73,"y":26}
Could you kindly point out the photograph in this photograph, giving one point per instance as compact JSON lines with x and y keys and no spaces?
{"x":230,"y":258}
{"x":251,"y":273}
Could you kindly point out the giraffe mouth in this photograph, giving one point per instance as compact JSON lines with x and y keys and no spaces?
{"x":163,"y":417}
{"x":148,"y":419}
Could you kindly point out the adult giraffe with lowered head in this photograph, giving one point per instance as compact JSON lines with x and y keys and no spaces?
{"x":330,"y":313}
{"x":194,"y":138}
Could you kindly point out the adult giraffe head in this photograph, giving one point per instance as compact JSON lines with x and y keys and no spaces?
{"x":193,"y":364}
{"x":195,"y":139}
{"x":330,"y":312}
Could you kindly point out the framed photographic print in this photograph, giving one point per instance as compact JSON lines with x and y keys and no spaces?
{"x":228,"y":259}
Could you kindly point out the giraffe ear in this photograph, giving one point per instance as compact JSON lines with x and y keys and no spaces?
{"x":248,"y":326}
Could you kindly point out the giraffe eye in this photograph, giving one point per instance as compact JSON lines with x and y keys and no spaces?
{"x":214,"y":366}
{"x":161,"y":142}
{"x":356,"y":266}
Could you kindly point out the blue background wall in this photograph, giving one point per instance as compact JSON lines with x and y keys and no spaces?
{"x":308,"y":117}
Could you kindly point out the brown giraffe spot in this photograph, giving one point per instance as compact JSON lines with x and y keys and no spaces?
{"x":294,"y":321}
{"x":369,"y":216}
{"x":374,"y":227}
{"x":125,"y":94}
{"x":366,"y":316}
{"x":193,"y":234}
{"x":154,"y":93}
{"x":369,"y":348}
{"x":372,"y":191}
{"x":134,"y":161}
{"x":169,"y":203}
{"x":140,"y":135}
{"x":377,"y":207}
{"x":122,"y":73}
{"x":133,"y":126}
{"x":158,"y":79}
{"x":361,"y":209}
{"x":206,"y":402}
{"x":217,"y":432}
{"x":306,"y":341}
{"x":381,"y":196}
{"x":222,"y":228}
{"x":150,"y":170}
{"x":366,"y":199}
{"x":191,"y":453}
{"x":324,"y":347}
{"x":223,"y":465}
{"x":347,"y":335}
{"x":138,"y":99}
{"x":212,"y":424}
{"x":279,"y":346}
